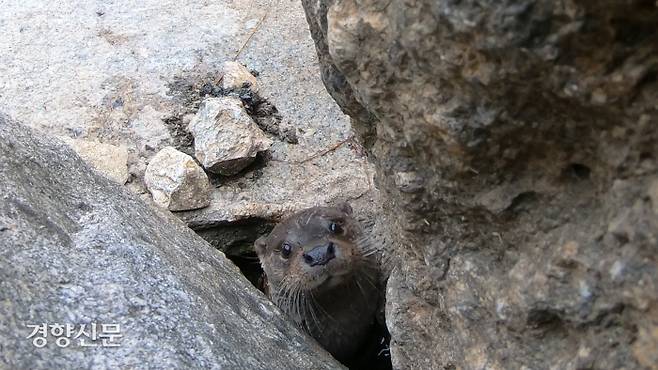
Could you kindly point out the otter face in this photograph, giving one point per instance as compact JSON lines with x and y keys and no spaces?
{"x":314,"y":249}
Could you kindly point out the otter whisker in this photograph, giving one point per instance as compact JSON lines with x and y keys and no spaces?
{"x":366,"y":262}
{"x":368,"y":279}
{"x":283,"y":295}
{"x":366,"y":247}
{"x":331,"y":290}
{"x":310,"y":308}
{"x":315,"y":303}
{"x":296,"y":308}
{"x":363,"y":293}
{"x":301,"y":309}
{"x":309,"y":321}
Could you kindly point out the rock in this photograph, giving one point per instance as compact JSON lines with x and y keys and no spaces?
{"x":79,"y":249}
{"x":176,"y":181}
{"x":525,"y":239}
{"x":226,"y":139}
{"x":333,"y":79}
{"x":236,"y":76}
{"x":281,"y":188}
{"x":125,"y":92}
{"x":110,"y":160}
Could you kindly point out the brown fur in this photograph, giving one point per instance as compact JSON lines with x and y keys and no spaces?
{"x":336,"y":302}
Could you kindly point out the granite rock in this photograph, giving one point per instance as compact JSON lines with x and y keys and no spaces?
{"x":515,"y":148}
{"x":226,"y":139}
{"x":176,"y":181}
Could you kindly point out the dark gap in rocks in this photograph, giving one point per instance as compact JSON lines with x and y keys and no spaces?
{"x":523,"y":202}
{"x":621,"y":238}
{"x":236,"y":241}
{"x":543,"y":318}
{"x":375,"y":353}
{"x":635,"y":30}
{"x":576,"y":171}
{"x":538,"y":30}
{"x":609,"y":317}
{"x":250,"y":267}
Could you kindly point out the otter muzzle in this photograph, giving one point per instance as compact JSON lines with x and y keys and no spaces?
{"x":320,"y":255}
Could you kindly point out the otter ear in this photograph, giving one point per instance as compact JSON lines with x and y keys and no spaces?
{"x":345,"y":207}
{"x":260,"y":245}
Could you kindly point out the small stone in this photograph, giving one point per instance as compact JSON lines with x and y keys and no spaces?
{"x":226,"y":139}
{"x":176,"y":181}
{"x":235,"y":76}
{"x":110,"y":160}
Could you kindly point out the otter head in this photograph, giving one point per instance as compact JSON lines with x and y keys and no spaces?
{"x":315,"y":249}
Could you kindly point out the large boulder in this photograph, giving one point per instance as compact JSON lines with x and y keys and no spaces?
{"x":77,"y":248}
{"x":516,"y":151}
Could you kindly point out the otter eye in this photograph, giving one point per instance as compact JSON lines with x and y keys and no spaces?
{"x":335,"y":228}
{"x":286,"y":249}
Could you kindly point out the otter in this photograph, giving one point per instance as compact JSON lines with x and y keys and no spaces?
{"x":322,"y":272}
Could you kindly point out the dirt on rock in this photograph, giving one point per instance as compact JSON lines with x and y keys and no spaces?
{"x":189,"y":91}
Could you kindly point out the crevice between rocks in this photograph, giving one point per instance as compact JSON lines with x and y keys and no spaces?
{"x":236,"y":240}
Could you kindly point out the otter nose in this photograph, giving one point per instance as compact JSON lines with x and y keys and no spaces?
{"x":320,"y":255}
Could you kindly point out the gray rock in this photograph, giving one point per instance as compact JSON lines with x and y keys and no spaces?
{"x":226,"y":139}
{"x":125,"y":61}
{"x":284,"y":188}
{"x":110,"y":160}
{"x":176,"y":181}
{"x":79,"y":249}
{"x":525,"y":238}
{"x":236,"y":76}
{"x":333,"y":79}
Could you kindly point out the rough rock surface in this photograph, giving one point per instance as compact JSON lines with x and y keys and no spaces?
{"x":235,"y":76}
{"x":516,"y":150}
{"x":110,"y":160}
{"x":126,"y":60}
{"x":176,"y":181}
{"x":226,"y":139}
{"x":79,"y":248}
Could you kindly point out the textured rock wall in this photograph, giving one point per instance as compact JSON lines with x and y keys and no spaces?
{"x":517,"y":148}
